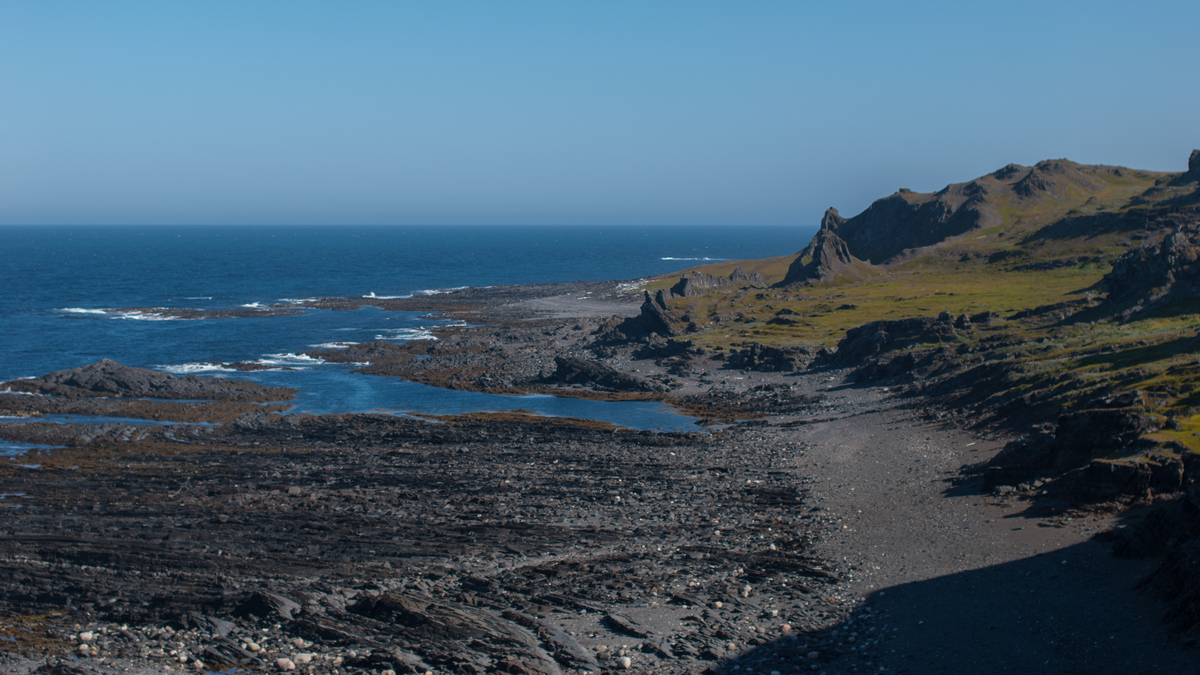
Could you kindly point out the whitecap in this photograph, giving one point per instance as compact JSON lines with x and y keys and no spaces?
{"x":386,"y":297}
{"x":198,"y":297}
{"x":145,"y":316}
{"x":406,"y":334}
{"x":253,"y":305}
{"x":439,"y":291}
{"x":81,"y":310}
{"x":189,"y":368}
{"x":298,"y":300}
{"x":333,"y":345}
{"x":290,"y":360}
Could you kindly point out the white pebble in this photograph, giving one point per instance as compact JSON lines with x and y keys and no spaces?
{"x":197,"y":665}
{"x":624,"y":662}
{"x":787,"y":628}
{"x":86,"y":637}
{"x":285,"y":664}
{"x":253,"y":646}
{"x":302,"y":659}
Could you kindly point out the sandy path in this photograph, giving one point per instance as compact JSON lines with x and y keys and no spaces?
{"x":962,"y":582}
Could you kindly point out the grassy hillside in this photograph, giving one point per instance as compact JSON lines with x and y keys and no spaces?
{"x":1033,"y":265}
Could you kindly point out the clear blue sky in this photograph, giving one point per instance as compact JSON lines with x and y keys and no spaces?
{"x":568,"y":112}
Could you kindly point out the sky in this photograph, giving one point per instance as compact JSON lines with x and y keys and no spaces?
{"x":602,"y":113}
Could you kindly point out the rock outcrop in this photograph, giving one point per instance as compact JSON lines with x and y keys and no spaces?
{"x":877,"y":337}
{"x":109,"y":378}
{"x":571,"y":370}
{"x":1156,"y":276}
{"x":655,"y":318}
{"x":768,"y":359}
{"x":1078,"y":438}
{"x":694,"y":283}
{"x":826,"y":257}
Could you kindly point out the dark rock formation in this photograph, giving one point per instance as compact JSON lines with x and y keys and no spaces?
{"x":768,"y":359}
{"x":109,"y":378}
{"x":655,"y":318}
{"x":1077,"y":439}
{"x":696,"y":283}
{"x":878,"y":337}
{"x":1105,"y":480}
{"x":1147,"y":278}
{"x":826,"y":257}
{"x":572,"y":370}
{"x":908,"y":220}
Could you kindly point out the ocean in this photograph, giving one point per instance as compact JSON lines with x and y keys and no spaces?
{"x":60,"y":285}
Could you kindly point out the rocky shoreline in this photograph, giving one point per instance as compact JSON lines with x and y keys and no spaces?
{"x":509,"y":542}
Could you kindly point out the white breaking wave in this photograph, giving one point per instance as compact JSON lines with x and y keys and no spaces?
{"x":406,"y":334}
{"x":297,"y":300}
{"x":386,"y":297}
{"x":112,"y":313}
{"x":333,"y":345}
{"x":81,"y":310}
{"x":708,"y":259}
{"x":144,"y":316}
{"x":253,"y":304}
{"x":189,"y":368}
{"x":198,"y":297}
{"x":290,"y":360}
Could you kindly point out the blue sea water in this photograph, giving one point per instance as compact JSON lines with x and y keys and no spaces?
{"x":58,"y":281}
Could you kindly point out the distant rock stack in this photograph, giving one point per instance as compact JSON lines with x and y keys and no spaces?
{"x":826,"y":257}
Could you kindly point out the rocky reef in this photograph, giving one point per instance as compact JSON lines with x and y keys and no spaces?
{"x":109,"y":378}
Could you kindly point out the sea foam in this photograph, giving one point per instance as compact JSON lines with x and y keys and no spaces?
{"x":81,"y":310}
{"x":190,"y":368}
